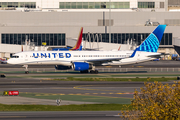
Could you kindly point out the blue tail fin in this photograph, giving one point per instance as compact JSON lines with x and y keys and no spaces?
{"x":151,"y":43}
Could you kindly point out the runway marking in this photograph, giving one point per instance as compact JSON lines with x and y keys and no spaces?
{"x":105,"y":97}
{"x":78,"y":87}
{"x":61,"y":88}
{"x":140,"y":66}
{"x":52,"y":94}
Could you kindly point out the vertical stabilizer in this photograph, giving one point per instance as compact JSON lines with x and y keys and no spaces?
{"x":152,"y":42}
{"x":79,"y":40}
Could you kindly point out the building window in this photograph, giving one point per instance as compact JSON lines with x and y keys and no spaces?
{"x":62,"y":5}
{"x":161,"y":4}
{"x":166,"y":39}
{"x":19,"y":39}
{"x":85,"y":5}
{"x":7,"y":39}
{"x":15,"y":38}
{"x":3,"y":38}
{"x":73,"y":5}
{"x":91,"y":5}
{"x":97,"y":5}
{"x":47,"y":39}
{"x":79,"y":5}
{"x":124,"y":38}
{"x":94,"y":5}
{"x":18,"y":4}
{"x":103,"y":5}
{"x":57,"y":39}
{"x":146,"y":4}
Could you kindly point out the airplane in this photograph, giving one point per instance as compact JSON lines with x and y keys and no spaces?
{"x":85,"y":61}
{"x":3,"y":61}
{"x":77,"y":46}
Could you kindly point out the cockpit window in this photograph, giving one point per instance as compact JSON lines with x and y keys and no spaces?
{"x":15,"y":57}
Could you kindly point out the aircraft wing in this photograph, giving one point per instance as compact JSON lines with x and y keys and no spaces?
{"x":100,"y":61}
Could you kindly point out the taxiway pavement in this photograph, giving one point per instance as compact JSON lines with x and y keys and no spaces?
{"x":72,"y":115}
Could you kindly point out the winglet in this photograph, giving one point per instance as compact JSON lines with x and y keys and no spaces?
{"x":78,"y":43}
{"x":152,"y":42}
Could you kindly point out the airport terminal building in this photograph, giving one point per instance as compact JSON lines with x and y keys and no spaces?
{"x":107,"y":24}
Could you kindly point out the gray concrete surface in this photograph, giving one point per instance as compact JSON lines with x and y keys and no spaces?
{"x":103,"y":88}
{"x":68,"y":115}
{"x":17,"y":100}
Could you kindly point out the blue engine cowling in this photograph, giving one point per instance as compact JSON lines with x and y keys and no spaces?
{"x":62,"y":67}
{"x":81,"y":66}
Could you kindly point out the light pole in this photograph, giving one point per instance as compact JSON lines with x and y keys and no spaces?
{"x":109,"y":21}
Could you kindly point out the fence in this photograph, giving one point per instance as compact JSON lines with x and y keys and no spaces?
{"x":139,"y":69}
{"x":151,"y":70}
{"x":120,"y":70}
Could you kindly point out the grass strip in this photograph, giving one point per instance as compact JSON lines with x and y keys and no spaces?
{"x":82,"y":98}
{"x":148,"y":79}
{"x":84,"y":107}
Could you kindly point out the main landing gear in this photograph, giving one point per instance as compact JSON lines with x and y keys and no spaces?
{"x":94,"y":71}
{"x":84,"y":71}
{"x":91,"y":71}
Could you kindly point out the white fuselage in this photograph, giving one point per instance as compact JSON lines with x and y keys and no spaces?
{"x":66,"y":57}
{"x":138,"y":58}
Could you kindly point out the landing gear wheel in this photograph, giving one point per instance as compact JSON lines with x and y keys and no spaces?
{"x":26,"y":72}
{"x":94,"y":71}
{"x":84,"y":71}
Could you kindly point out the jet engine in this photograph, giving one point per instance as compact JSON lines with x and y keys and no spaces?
{"x":81,"y":66}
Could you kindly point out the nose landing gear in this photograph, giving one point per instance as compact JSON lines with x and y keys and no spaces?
{"x":26,"y":69}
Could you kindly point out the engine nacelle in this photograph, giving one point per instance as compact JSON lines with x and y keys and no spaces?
{"x":81,"y":66}
{"x":62,"y":67}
